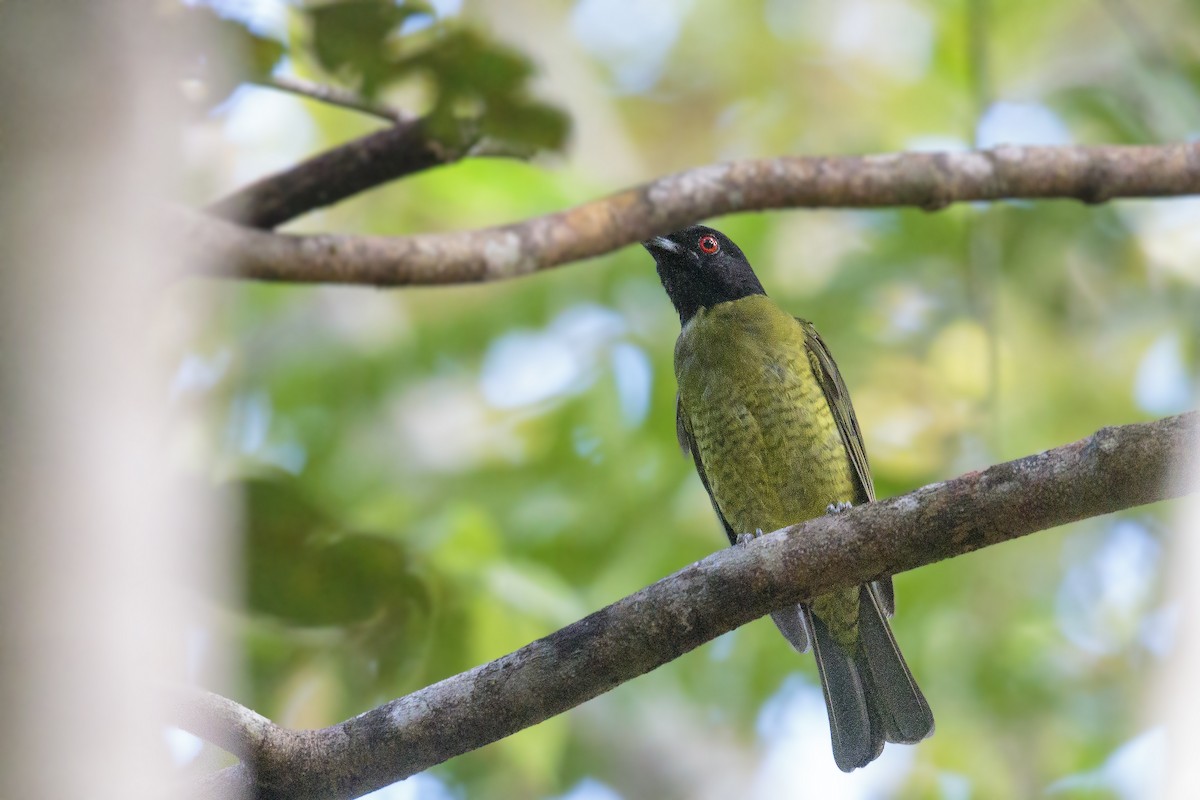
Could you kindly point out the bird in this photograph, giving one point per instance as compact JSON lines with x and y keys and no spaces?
{"x":767,"y":419}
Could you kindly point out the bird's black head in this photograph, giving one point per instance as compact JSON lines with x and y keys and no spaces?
{"x":700,"y":267}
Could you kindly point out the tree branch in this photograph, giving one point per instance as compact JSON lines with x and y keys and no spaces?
{"x":334,"y":175}
{"x":1114,"y":469}
{"x":227,"y":724}
{"x":927,"y":180}
{"x":353,"y":167}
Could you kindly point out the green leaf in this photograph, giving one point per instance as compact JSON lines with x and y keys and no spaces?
{"x":527,"y":122}
{"x":477,"y":79}
{"x":352,"y":37}
{"x":263,"y":54}
{"x":465,"y":63}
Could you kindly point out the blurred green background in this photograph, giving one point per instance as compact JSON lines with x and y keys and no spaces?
{"x":434,"y":477}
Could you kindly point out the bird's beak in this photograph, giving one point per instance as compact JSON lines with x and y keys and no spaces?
{"x":661,"y":244}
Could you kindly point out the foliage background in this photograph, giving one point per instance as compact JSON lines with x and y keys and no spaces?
{"x":434,"y":477}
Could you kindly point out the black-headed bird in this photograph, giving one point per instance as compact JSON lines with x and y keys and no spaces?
{"x":767,"y":419}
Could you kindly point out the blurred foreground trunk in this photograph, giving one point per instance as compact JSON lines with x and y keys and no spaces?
{"x":96,"y":528}
{"x":1175,"y":698}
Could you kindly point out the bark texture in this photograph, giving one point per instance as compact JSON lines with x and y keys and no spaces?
{"x":925,"y":180}
{"x":1116,"y":468}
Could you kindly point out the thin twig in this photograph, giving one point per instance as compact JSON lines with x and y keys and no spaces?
{"x":1114,"y":469}
{"x":335,"y":96}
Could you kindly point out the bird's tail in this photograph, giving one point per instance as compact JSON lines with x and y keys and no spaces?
{"x":870,"y":694}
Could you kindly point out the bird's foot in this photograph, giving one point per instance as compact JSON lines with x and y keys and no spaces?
{"x":839,"y":507}
{"x":744,"y":539}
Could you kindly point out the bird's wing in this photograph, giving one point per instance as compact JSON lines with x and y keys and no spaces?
{"x":689,"y":446}
{"x":838,"y":398}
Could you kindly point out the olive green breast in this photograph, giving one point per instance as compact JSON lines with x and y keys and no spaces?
{"x":770,"y":448}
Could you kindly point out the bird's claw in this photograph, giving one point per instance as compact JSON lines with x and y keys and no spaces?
{"x":839,"y":507}
{"x":744,"y":539}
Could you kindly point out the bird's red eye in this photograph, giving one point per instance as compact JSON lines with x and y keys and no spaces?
{"x":709,"y":244}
